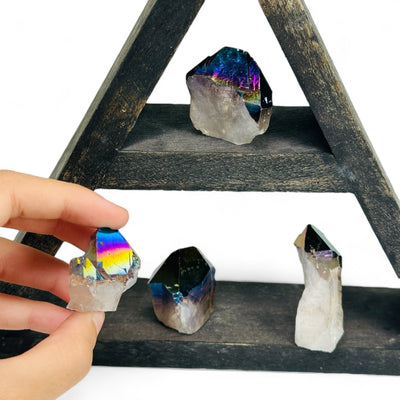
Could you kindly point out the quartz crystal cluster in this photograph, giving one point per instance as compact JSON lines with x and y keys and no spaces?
{"x":103,"y":273}
{"x":230,"y":98}
{"x":319,"y":319}
{"x":183,"y":290}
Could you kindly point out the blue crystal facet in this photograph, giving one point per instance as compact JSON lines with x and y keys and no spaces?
{"x":235,"y":68}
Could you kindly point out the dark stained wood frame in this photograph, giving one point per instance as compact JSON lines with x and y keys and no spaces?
{"x":321,"y":148}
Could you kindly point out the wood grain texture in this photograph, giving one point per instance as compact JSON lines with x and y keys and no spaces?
{"x":252,"y":328}
{"x":112,"y":114}
{"x":331,"y":105}
{"x":136,"y":71}
{"x":164,"y":151}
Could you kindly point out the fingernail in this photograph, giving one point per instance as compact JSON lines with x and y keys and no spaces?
{"x":98,"y":319}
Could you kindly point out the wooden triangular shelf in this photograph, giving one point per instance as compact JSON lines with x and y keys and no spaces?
{"x":321,"y":148}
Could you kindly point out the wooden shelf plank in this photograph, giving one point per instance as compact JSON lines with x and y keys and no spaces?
{"x":164,"y":151}
{"x":167,"y":127}
{"x":252,"y":328}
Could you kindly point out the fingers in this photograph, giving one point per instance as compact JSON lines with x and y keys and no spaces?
{"x":67,"y":232}
{"x":30,"y":267}
{"x":69,"y":212}
{"x":26,"y":196}
{"x":55,"y":364}
{"x":17,"y":313}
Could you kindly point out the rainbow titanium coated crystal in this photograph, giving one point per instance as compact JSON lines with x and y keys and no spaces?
{"x":183,"y":290}
{"x":98,"y":279}
{"x":230,"y":98}
{"x":319,"y":319}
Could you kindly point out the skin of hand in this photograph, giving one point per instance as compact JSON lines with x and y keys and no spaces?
{"x":71,"y":213}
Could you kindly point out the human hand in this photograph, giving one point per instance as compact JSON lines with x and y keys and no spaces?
{"x":71,"y":213}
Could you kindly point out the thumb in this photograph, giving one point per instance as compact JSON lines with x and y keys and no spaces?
{"x":55,"y":364}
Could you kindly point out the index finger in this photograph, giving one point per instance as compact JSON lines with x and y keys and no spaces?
{"x":27,"y":196}
{"x":55,"y":364}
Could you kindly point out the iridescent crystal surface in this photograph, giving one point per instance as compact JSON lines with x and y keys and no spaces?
{"x":183,"y":290}
{"x":103,"y":273}
{"x":319,"y":319}
{"x":230,"y":98}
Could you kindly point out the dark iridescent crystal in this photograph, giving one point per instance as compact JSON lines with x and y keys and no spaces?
{"x":183,"y":290}
{"x":313,"y":241}
{"x":229,"y":97}
{"x":235,"y":68}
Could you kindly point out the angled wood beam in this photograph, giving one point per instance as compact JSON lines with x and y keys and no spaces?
{"x":117,"y":105}
{"x":332,"y":107}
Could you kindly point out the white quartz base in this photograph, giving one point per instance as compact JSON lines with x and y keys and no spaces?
{"x":187,"y":316}
{"x":219,"y":111}
{"x":97,"y":295}
{"x":319,"y":320}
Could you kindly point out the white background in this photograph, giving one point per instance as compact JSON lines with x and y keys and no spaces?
{"x":54,"y":57}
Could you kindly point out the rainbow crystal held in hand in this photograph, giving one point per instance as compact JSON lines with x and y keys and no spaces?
{"x":112,"y":252}
{"x":230,"y":98}
{"x":98,"y":279}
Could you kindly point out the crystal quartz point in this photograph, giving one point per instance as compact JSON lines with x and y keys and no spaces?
{"x":183,"y":290}
{"x":319,"y":319}
{"x":230,"y":98}
{"x":103,"y":273}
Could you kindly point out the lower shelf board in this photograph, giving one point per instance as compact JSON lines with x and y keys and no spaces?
{"x":252,"y":328}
